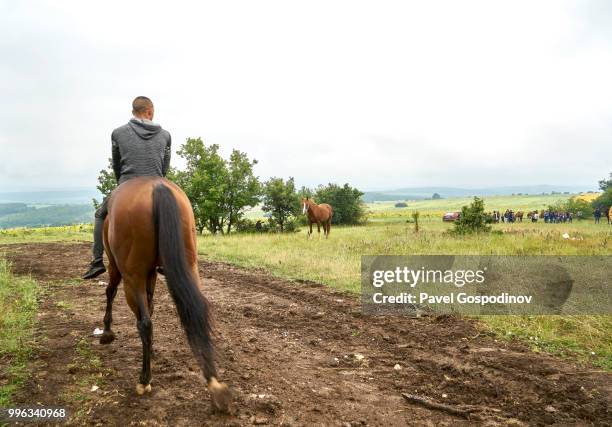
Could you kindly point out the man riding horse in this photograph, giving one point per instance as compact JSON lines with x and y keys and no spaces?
{"x":139,"y":148}
{"x":147,"y":222}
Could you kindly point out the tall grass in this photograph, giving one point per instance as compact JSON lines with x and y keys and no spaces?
{"x":18,"y":307}
{"x":336,"y":261}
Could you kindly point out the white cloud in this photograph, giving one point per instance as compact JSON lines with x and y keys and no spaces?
{"x":378,"y":94}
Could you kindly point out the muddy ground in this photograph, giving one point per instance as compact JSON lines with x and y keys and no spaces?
{"x":292,"y":354}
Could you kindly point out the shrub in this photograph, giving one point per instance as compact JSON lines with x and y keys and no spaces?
{"x":415,"y":217}
{"x":473,"y":219}
{"x":281,"y":201}
{"x":346,"y":202}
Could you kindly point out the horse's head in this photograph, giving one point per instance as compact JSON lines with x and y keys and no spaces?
{"x":305,"y":205}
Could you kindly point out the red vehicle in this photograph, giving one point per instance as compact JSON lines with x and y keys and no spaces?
{"x":451,"y":216}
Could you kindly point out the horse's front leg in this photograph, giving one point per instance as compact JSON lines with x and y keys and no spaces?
{"x":108,"y":336}
{"x":309,"y":232}
{"x":319,"y":230}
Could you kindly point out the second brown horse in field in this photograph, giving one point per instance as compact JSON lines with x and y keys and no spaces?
{"x":319,"y":214}
{"x":150,"y":223}
{"x":518,"y":216}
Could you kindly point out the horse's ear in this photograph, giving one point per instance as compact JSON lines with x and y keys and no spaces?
{"x":306,"y":197}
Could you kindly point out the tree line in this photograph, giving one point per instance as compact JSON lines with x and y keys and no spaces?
{"x":221,"y":191}
{"x":576,"y":205}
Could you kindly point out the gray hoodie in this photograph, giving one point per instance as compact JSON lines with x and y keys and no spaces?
{"x":140,"y":148}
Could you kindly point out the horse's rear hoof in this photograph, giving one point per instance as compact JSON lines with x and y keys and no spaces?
{"x":107,"y":337}
{"x":141,"y":388}
{"x":221,"y":396}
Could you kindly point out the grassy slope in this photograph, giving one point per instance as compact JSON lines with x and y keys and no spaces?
{"x":337,"y":261}
{"x":17,"y":316}
{"x":524,"y":202}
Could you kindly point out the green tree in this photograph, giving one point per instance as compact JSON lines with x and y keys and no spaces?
{"x":435,"y":196}
{"x":473,"y":219}
{"x":345,"y":201}
{"x":281,"y":201}
{"x":106,"y":182}
{"x":606,"y":184}
{"x":573,"y":205}
{"x":305,"y":192}
{"x":242,"y":188}
{"x":604,"y":201}
{"x":205,"y":181}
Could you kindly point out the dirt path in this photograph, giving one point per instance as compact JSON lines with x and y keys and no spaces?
{"x":292,"y":353}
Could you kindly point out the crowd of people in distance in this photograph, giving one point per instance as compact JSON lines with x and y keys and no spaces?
{"x":548,"y":216}
{"x":555,"y":217}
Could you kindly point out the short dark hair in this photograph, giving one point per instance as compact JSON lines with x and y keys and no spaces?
{"x":141,"y":104}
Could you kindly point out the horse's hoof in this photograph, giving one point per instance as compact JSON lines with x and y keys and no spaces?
{"x":107,"y":337}
{"x":141,"y":388}
{"x":221,"y":395}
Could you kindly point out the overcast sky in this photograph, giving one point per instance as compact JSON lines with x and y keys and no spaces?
{"x":378,"y":94}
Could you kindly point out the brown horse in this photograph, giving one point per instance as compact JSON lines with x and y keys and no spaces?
{"x":150,"y":223}
{"x":519,"y":216}
{"x":321,"y":214}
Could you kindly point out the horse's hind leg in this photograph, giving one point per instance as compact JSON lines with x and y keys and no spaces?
{"x":108,"y":336}
{"x":151,"y":281}
{"x":327,"y":228}
{"x":145,"y":328}
{"x":137,"y":300}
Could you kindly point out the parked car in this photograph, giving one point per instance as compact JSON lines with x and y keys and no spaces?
{"x":451,"y":216}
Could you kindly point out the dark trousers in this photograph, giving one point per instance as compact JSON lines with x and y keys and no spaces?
{"x":100,"y":216}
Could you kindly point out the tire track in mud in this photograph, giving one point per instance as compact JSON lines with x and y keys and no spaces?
{"x":295,"y":353}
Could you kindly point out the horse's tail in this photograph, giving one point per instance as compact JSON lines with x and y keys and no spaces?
{"x":191,"y":305}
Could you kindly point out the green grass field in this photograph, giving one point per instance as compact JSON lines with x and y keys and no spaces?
{"x":336,"y":262}
{"x":433,"y":208}
{"x":523,"y":202}
{"x":67,"y":233}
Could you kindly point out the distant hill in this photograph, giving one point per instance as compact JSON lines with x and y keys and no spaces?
{"x":50,"y":197}
{"x":420,"y":193}
{"x":22,"y":215}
